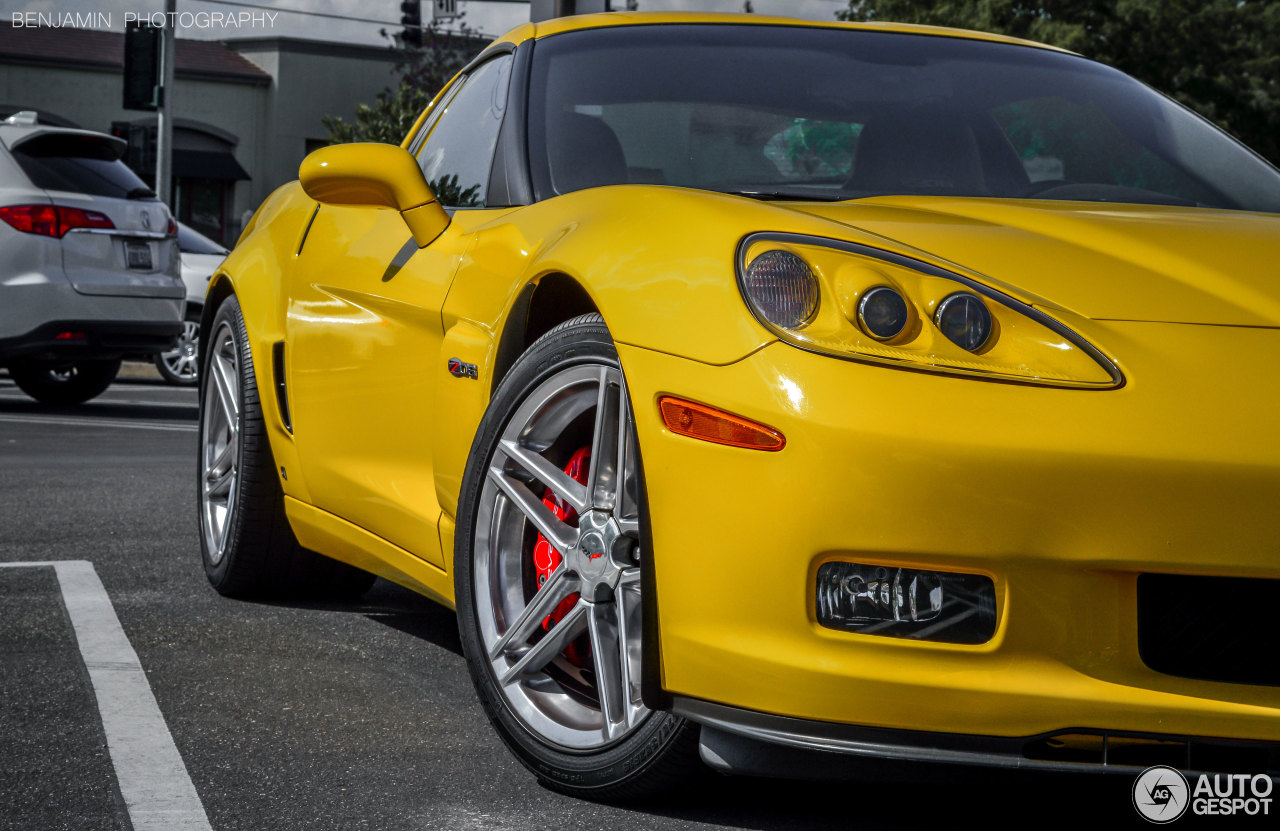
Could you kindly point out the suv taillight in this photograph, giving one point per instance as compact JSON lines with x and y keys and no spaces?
{"x":52,"y":220}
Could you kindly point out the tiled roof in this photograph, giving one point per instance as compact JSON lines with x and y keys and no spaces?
{"x":96,"y":49}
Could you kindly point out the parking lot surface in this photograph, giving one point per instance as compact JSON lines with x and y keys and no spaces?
{"x":298,"y":716}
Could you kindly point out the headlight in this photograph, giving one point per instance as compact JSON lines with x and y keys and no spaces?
{"x":781,"y":288}
{"x":965,"y":321}
{"x":862,"y":303}
{"x":882,"y":313}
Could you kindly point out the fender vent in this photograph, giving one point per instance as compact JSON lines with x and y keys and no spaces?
{"x":281,"y":384}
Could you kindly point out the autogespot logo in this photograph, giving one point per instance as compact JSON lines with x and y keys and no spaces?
{"x":1160,"y":794}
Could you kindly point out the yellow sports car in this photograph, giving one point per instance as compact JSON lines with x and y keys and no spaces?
{"x":746,"y":384}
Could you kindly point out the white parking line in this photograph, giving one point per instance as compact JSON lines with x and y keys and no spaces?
{"x":105,"y":399}
{"x":153,"y":780}
{"x":100,"y":422}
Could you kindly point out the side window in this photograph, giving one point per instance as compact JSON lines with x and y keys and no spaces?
{"x":458,"y":152}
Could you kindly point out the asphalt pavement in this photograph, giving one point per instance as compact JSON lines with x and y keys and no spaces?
{"x":297,"y":716}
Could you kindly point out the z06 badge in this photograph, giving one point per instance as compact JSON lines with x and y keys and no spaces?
{"x":461,"y":369}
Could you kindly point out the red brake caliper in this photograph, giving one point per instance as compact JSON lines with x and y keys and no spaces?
{"x":546,"y":558}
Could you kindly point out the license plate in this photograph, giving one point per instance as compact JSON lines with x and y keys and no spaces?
{"x":138,"y":255}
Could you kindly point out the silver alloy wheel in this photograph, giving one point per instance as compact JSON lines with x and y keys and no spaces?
{"x":219,"y":442}
{"x":562,"y":702}
{"x":182,"y":360}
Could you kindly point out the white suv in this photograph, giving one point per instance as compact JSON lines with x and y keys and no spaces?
{"x":89,"y":263}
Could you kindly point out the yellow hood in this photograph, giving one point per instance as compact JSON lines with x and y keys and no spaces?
{"x":1103,"y":261}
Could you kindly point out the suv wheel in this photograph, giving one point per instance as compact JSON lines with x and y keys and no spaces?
{"x":64,"y":382}
{"x":180,"y":364}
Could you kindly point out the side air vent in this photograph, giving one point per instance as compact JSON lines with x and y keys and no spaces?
{"x":282,"y":385}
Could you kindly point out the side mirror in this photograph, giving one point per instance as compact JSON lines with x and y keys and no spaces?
{"x":376,"y":175}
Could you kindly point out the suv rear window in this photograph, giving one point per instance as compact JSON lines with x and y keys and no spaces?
{"x":79,"y":164}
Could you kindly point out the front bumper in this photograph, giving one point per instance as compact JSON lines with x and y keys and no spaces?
{"x":1062,"y":497}
{"x":758,"y":744}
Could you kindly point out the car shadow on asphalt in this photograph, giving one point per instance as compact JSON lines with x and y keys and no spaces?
{"x":940,"y":799}
{"x":394,"y":606}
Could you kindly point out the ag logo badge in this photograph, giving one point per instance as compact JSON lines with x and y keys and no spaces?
{"x":1161,"y":794}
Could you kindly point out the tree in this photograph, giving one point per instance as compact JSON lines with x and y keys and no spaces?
{"x":1218,"y":57}
{"x":422,"y":73}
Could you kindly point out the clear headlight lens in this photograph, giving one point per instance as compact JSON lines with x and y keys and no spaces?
{"x":781,"y":288}
{"x":861,"y":303}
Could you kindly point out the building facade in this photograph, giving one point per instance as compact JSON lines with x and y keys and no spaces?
{"x":246,"y":112}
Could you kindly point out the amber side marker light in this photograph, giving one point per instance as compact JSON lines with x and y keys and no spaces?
{"x":698,"y":421}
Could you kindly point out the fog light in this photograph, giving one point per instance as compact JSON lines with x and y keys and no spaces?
{"x":906,"y":603}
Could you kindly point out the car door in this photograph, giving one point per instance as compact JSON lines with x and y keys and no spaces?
{"x":365,"y":331}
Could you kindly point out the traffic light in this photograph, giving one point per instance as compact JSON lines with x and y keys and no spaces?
{"x":411,"y":19}
{"x":141,"y":155}
{"x":141,"y":66}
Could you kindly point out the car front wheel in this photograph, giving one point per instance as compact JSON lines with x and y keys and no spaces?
{"x":548,"y":574}
{"x":247,"y":545}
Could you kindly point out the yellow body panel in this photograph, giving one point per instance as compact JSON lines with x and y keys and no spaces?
{"x":1062,"y":496}
{"x":322,"y":531}
{"x":1075,"y":491}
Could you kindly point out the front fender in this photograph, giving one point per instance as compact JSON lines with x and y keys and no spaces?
{"x":257,"y":272}
{"x":657,"y":262}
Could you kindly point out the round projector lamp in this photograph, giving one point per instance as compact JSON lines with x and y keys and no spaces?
{"x":882,"y":313}
{"x":964,"y":319}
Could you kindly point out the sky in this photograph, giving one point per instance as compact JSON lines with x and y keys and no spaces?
{"x":490,"y":17}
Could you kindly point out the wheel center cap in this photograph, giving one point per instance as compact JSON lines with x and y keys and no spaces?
{"x":591,"y":558}
{"x":594,"y":561}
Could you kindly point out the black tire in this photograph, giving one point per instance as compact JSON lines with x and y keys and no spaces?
{"x":660,"y":752}
{"x":180,"y":366}
{"x":256,"y":554}
{"x":64,"y":382}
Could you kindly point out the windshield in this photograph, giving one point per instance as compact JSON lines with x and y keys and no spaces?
{"x":829,"y":114}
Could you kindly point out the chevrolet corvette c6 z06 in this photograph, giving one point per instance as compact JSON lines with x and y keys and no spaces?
{"x":844,"y":391}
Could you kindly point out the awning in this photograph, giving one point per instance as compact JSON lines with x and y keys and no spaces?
{"x":207,"y":164}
